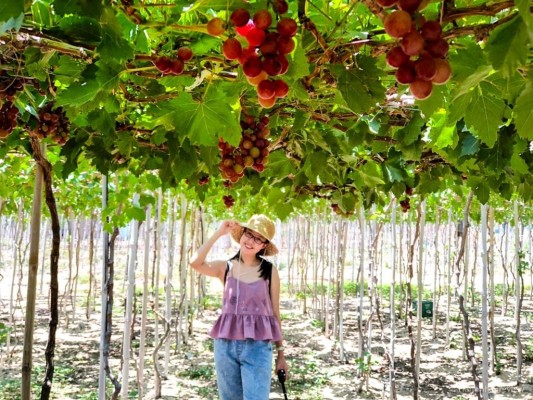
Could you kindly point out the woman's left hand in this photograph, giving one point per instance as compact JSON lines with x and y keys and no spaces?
{"x":281,"y":363}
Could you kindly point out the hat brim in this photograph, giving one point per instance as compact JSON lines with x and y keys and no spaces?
{"x":236,"y":234}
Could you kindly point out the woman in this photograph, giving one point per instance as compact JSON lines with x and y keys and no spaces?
{"x":250,"y":321}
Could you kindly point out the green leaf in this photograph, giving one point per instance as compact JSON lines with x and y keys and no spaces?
{"x":410,"y":133}
{"x":126,"y":143}
{"x":484,"y":115}
{"x":78,"y":94}
{"x":91,"y":8}
{"x":360,"y":86}
{"x":41,"y":13}
{"x":113,"y":44}
{"x":81,"y":29}
{"x":527,"y":17}
{"x":203,"y":120}
{"x":315,"y":164}
{"x":434,"y":102}
{"x":472,"y":81}
{"x":441,"y":132}
{"x":135,"y":213}
{"x":68,"y":70}
{"x":11,"y":15}
{"x":508,"y":46}
{"x":348,"y":201}
{"x":519,"y":164}
{"x":299,"y":64}
{"x":470,"y":145}
{"x":523,"y":112}
{"x":480,"y":188}
{"x":392,"y":172}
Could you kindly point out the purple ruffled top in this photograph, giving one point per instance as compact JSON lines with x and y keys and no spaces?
{"x":246,"y":312}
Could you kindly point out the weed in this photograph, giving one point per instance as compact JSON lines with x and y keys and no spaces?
{"x":205,"y":372}
{"x":316,"y":323}
{"x":210,"y":302}
{"x":528,"y":350}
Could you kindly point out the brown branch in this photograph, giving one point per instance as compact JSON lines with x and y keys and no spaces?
{"x":480,"y":32}
{"x":25,"y":38}
{"x":39,"y":157}
{"x":470,"y":344}
{"x":453,"y":13}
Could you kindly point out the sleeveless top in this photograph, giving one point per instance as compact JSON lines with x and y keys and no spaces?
{"x":246,"y":312}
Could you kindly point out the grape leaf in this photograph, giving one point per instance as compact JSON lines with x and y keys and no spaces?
{"x":204,"y":120}
{"x":527,"y":17}
{"x":78,"y":93}
{"x":360,"y":86}
{"x":518,"y":163}
{"x":523,"y":112}
{"x":11,"y":15}
{"x":113,"y":44}
{"x":506,"y":46}
{"x":434,"y":102}
{"x":393,"y":172}
{"x":41,"y":12}
{"x":469,"y":145}
{"x":411,"y":131}
{"x":441,"y":132}
{"x":484,"y":115}
{"x":91,"y":8}
{"x":80,"y":29}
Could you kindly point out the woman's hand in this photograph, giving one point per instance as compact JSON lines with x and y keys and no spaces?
{"x":281,"y":363}
{"x":227,"y":227}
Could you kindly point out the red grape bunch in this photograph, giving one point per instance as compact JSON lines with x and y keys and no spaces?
{"x":252,"y":151}
{"x":9,"y":86}
{"x":264,"y":56}
{"x":405,"y":204}
{"x":420,"y":56}
{"x":53,"y":124}
{"x":204,"y":180}
{"x":229,"y":201}
{"x":173,"y":65}
{"x":8,"y":118}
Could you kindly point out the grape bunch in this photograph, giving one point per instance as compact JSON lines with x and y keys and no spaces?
{"x":9,"y":86}
{"x":229,"y":201}
{"x":405,"y":204}
{"x":173,"y":65}
{"x":8,"y":118}
{"x":53,"y":124}
{"x":420,"y":56}
{"x":264,"y":57}
{"x":252,"y":151}
{"x":204,"y":180}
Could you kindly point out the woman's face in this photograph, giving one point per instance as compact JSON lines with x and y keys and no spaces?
{"x":252,"y":242}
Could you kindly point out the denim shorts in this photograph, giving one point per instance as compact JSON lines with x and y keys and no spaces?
{"x":244,"y":369}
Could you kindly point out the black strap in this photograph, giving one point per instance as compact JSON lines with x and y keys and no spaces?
{"x":226,"y":272}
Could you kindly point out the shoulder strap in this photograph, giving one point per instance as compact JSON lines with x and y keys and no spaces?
{"x":226,"y":272}
{"x":269,"y":267}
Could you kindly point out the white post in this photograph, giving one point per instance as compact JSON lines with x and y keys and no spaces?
{"x":484,"y":307}
{"x":392,"y":302}
{"x":126,"y":343}
{"x":142,"y":345}
{"x":103,"y":317}
{"x":420,"y":287}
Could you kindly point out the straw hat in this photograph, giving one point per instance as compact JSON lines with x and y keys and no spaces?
{"x":262,"y":225}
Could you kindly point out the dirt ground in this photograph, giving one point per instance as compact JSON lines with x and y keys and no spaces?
{"x":317,"y":371}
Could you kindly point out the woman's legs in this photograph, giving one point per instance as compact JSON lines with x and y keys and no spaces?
{"x":244,"y":369}
{"x":228,"y":369}
{"x":256,"y":369}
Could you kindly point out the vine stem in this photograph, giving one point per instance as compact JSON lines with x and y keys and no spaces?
{"x":40,"y":158}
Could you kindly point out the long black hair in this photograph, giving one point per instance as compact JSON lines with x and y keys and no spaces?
{"x":265,"y":270}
